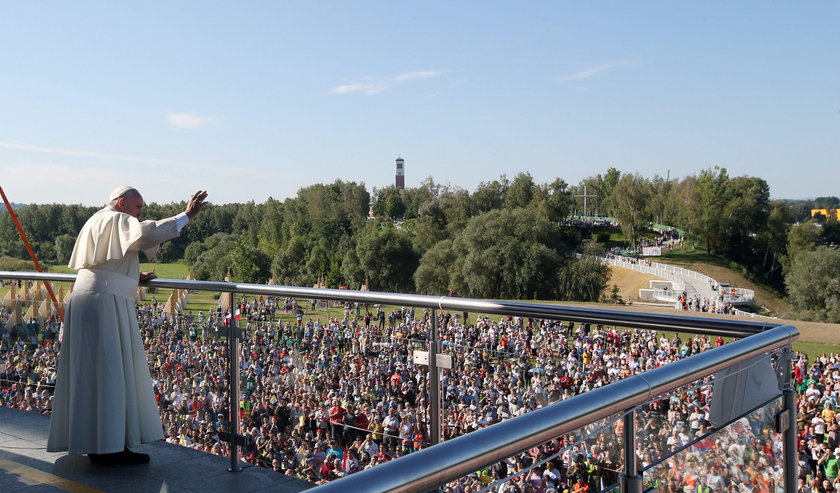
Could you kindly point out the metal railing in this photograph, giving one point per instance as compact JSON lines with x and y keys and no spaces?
{"x":434,"y":466}
{"x":458,"y":457}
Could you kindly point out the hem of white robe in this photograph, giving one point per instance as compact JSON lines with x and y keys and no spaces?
{"x":65,"y":448}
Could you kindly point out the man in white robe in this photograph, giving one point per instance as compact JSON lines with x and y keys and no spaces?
{"x":104,"y":401}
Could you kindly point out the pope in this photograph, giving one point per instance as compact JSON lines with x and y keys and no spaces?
{"x":104,"y":401}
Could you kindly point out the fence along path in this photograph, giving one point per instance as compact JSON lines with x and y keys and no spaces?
{"x":685,"y":280}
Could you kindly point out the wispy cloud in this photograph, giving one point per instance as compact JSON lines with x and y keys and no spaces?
{"x":418,"y":75}
{"x":368,"y":89}
{"x":599,"y":69}
{"x":188,"y":120}
{"x":96,"y":155}
{"x":245,"y":170}
{"x":374,"y":85}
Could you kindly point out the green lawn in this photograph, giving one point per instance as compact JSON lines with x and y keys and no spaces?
{"x":692,"y":255}
{"x":175,"y":270}
{"x":815,"y":349}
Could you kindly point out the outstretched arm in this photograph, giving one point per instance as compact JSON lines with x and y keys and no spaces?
{"x":156,"y":232}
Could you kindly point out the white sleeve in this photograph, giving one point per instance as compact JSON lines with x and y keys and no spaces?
{"x":181,"y":220}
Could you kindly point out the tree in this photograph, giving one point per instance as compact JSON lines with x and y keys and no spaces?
{"x":772,"y":243}
{"x":521,"y":191}
{"x":682,"y":205}
{"x":630,"y":199}
{"x":212,"y":264}
{"x":429,"y":228}
{"x":168,"y":252}
{"x":394,"y":206}
{"x":434,"y":275}
{"x":554,"y":200}
{"x":659,"y":209}
{"x":584,"y":278}
{"x":352,"y":270}
{"x":746,"y":215}
{"x":506,"y":254}
{"x":802,"y":238}
{"x":458,"y":207}
{"x":831,"y":234}
{"x":8,"y":234}
{"x":248,"y":264}
{"x":813,"y":284}
{"x":246,"y":222}
{"x":289,"y":264}
{"x":324,"y":263}
{"x":490,"y":195}
{"x":602,"y":186}
{"x":386,"y":201}
{"x":417,"y":198}
{"x":384,"y":258}
{"x":713,"y":194}
{"x":826,"y":203}
{"x":64,"y":248}
{"x":270,"y":233}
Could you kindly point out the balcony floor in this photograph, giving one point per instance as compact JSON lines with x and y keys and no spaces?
{"x":26,"y":466}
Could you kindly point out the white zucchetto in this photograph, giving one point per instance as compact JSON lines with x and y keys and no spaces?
{"x":119,"y":192}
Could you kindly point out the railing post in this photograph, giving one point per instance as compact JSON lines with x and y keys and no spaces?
{"x":789,"y":434}
{"x":434,"y":384}
{"x":233,"y":351}
{"x":631,"y":481}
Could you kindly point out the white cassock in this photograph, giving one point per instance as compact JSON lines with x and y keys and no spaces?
{"x":103,"y":397}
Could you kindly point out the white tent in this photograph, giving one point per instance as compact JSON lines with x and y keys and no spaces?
{"x":11,"y":298}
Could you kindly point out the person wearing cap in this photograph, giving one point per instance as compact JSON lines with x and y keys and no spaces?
{"x":104,"y":401}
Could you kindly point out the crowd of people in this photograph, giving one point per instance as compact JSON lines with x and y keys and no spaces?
{"x":321,"y":399}
{"x":699,"y":303}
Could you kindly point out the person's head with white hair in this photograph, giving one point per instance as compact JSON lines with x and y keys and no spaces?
{"x":127,"y":200}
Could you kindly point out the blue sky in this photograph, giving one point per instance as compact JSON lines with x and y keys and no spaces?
{"x":256,"y":99}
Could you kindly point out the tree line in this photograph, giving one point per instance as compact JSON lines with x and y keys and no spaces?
{"x":433,"y":239}
{"x":508,"y":238}
{"x":775,"y":242}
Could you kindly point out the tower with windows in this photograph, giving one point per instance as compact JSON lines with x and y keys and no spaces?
{"x":400,"y":178}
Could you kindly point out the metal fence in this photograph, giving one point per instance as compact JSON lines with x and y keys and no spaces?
{"x":678,"y":275}
{"x":435,"y":466}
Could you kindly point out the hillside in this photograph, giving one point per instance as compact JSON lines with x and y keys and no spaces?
{"x":815,"y":337}
{"x":773,"y":304}
{"x":629,"y":282}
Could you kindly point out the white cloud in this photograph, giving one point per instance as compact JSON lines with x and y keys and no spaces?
{"x":170,"y":164}
{"x":97,"y":155}
{"x":599,"y":69}
{"x":351,"y":88}
{"x":418,"y":75}
{"x":188,"y":120}
{"x":374,"y":85}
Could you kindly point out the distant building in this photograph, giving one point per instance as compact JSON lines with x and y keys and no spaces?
{"x":400,"y":181}
{"x":827,"y":213}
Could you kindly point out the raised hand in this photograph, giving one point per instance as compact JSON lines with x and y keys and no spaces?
{"x":196,"y":203}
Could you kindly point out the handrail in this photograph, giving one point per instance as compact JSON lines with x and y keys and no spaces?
{"x":434,"y":466}
{"x":655,"y":321}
